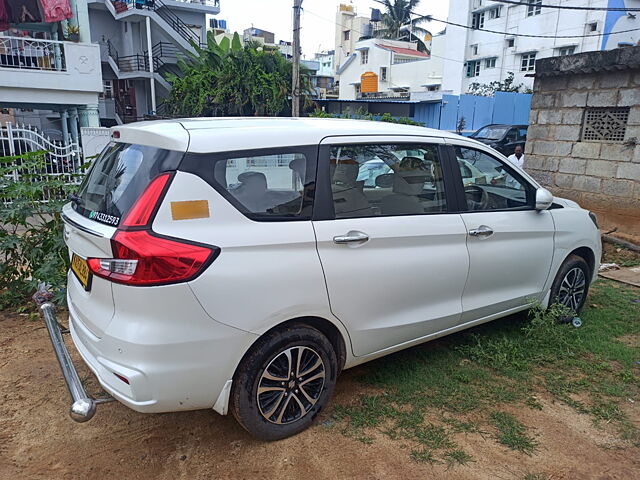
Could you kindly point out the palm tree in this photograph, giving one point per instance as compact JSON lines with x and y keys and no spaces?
{"x":397,"y":23}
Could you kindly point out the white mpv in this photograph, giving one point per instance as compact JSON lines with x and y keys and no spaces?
{"x":241,"y":264}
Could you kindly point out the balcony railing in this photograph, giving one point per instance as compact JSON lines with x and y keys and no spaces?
{"x":32,"y":54}
{"x":163,"y":12}
{"x":384,"y":95}
{"x":209,"y":3}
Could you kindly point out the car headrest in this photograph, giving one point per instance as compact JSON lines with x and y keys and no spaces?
{"x":385,"y":180}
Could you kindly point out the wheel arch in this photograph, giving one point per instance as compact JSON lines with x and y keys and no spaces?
{"x":324,"y":326}
{"x":587,"y":254}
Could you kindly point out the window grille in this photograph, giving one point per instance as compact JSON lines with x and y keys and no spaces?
{"x":605,"y":124}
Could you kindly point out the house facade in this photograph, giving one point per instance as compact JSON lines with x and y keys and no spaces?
{"x":476,"y":55}
{"x":380,"y":68}
{"x":584,"y":135}
{"x":50,"y":70}
{"x":139,"y":42}
{"x":349,"y":28}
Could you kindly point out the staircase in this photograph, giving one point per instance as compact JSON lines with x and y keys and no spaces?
{"x":161,"y":14}
{"x":137,"y":65}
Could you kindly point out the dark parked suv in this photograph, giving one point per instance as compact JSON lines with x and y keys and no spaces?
{"x":504,"y":138}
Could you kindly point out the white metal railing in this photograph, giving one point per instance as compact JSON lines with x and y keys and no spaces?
{"x":62,"y":158}
{"x":397,"y":59}
{"x":32,"y":54}
{"x":210,"y":3}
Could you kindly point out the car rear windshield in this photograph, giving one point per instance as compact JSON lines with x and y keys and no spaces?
{"x":118,"y":177}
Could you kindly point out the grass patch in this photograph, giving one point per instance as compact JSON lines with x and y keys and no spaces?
{"x":457,"y":457}
{"x":431,"y":391}
{"x":512,"y":433}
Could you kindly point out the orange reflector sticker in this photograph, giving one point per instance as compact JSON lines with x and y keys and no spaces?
{"x":190,"y":209}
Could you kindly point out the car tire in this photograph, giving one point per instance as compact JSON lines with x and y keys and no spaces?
{"x":295,"y":370}
{"x":571,"y":285}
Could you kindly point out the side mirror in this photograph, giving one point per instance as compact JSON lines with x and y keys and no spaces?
{"x":544,"y":199}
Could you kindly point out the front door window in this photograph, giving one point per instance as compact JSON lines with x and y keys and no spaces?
{"x":490,"y":184}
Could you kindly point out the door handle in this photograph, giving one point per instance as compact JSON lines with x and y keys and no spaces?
{"x":351,"y":237}
{"x":481,"y":231}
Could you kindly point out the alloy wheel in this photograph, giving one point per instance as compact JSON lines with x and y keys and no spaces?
{"x":290,"y":385}
{"x":572,"y":289}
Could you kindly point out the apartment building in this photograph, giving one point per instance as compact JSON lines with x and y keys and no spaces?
{"x":476,"y":55}
{"x":349,"y":28}
{"x":140,"y":41}
{"x":49,"y":69}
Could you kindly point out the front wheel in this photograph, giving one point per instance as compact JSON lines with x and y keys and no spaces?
{"x":571,"y":284}
{"x":284,"y":382}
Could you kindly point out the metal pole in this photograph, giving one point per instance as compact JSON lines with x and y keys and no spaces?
{"x":150,"y":55}
{"x":64,"y":123}
{"x":295,"y":87}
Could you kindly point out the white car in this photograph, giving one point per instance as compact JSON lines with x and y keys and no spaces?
{"x":238,"y":264}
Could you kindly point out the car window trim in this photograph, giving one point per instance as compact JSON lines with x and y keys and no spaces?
{"x":323,"y":208}
{"x":457,"y":177}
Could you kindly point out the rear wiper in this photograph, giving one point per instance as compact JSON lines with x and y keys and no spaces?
{"x":75,"y":199}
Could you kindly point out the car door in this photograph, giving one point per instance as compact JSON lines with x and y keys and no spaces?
{"x":510,"y":244}
{"x":394,"y":256}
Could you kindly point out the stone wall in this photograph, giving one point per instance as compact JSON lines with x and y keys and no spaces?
{"x":603,"y":177}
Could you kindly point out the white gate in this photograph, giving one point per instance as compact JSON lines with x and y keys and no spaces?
{"x":62,"y":159}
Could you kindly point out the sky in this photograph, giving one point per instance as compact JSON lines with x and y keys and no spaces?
{"x":318,"y":18}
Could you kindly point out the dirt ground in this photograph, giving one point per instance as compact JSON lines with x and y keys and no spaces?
{"x":39,"y":441}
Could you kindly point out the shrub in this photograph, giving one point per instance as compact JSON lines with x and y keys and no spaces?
{"x":31,"y":243}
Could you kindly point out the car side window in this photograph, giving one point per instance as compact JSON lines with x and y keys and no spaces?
{"x":263,"y":185}
{"x":383,"y":180}
{"x":522,"y":133}
{"x":512,"y":135}
{"x":493,"y":185}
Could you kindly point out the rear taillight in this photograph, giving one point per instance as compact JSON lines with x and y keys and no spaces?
{"x":143,"y":258}
{"x":141,"y":212}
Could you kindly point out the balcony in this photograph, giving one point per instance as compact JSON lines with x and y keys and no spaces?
{"x":386,"y":95}
{"x":49,"y":72}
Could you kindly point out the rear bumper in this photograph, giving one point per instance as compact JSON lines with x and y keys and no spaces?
{"x":171,"y":361}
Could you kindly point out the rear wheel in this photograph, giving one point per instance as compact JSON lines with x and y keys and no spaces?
{"x":284,"y":382}
{"x":571,"y":284}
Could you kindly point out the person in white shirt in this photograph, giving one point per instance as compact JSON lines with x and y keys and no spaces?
{"x":517,"y":158}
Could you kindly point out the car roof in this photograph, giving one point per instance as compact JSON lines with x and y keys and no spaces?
{"x":504,"y":125}
{"x":201,"y":135}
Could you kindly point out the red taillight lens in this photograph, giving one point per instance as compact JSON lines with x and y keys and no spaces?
{"x":140,"y":213}
{"x":143,"y":259}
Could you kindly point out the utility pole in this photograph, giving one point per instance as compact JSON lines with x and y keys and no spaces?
{"x":295,"y":87}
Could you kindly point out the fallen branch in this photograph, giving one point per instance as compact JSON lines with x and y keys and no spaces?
{"x":624,"y":243}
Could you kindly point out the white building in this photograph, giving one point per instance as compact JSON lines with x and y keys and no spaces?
{"x":326,"y":60}
{"x":473,"y":55}
{"x":349,"y":28}
{"x":396,"y":68}
{"x":53,"y":80}
{"x":140,"y":41}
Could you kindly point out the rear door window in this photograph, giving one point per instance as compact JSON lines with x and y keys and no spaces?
{"x":118,"y":177}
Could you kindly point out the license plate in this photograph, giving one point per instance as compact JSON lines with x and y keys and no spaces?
{"x":81,"y":270}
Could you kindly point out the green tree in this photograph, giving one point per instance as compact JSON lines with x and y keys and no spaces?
{"x":229,"y":79}
{"x":398,"y":24}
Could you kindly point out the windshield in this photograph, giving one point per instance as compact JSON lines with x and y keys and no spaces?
{"x":490,"y":132}
{"x":118,"y":177}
